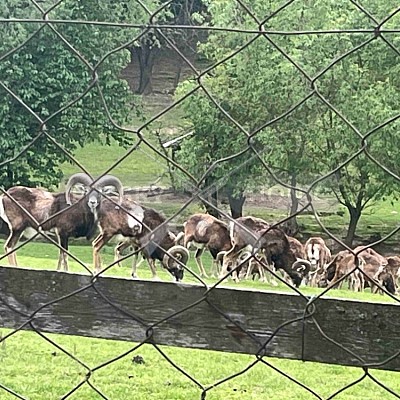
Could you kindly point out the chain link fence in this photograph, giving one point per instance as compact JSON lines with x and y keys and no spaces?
{"x":207,"y":293}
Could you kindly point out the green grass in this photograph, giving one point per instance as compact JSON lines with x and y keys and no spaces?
{"x":44,"y":256}
{"x":37,"y":370}
{"x":141,"y":168}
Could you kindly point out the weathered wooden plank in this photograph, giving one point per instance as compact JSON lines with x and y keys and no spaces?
{"x":369,"y":330}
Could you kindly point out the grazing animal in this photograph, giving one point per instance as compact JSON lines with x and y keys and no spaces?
{"x":393,"y":266}
{"x":209,"y":232}
{"x":272,"y":242}
{"x":143,"y":228}
{"x":297,"y":248}
{"x":163,"y":249}
{"x":330,"y":269}
{"x":27,"y":210}
{"x":243,"y":243}
{"x":372,"y":270}
{"x":255,"y":266}
{"x":318,"y":253}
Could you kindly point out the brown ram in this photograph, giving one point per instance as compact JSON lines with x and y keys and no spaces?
{"x":372,"y":270}
{"x":163,"y":249}
{"x":209,"y":232}
{"x":272,"y":242}
{"x":27,"y":210}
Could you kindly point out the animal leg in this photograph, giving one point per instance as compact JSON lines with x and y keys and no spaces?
{"x":121,"y":246}
{"x":217,"y":264}
{"x":60,"y":260}
{"x":62,"y":256}
{"x":10,"y":245}
{"x":135,"y":264}
{"x":60,"y":252}
{"x":152,"y":265}
{"x":65,"y":261}
{"x":361,"y":282}
{"x":269,"y":277}
{"x":97,"y":245}
{"x":250,"y":268}
{"x":215,"y":269}
{"x":199,"y":263}
{"x":229,"y":256}
{"x":261,"y":271}
{"x":272,"y":279}
{"x":235,"y":274}
{"x":313,"y":274}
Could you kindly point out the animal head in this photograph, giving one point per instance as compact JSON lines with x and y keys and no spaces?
{"x":313,"y":254}
{"x":302,"y":267}
{"x":174,"y":259}
{"x":94,"y":192}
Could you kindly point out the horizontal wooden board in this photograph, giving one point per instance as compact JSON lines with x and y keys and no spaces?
{"x":233,"y":320}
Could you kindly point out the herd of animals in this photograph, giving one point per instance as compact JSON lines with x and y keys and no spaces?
{"x":242,"y":248}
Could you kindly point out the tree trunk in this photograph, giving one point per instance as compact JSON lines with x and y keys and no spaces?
{"x":236,"y":204}
{"x":291,"y":226}
{"x":178,"y":72}
{"x":212,"y":208}
{"x":146,"y":57}
{"x":212,"y":198}
{"x":355,"y":214}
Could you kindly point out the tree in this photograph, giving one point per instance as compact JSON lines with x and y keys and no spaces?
{"x":209,"y":144}
{"x":148,"y":48}
{"x":316,"y":121}
{"x":47,"y":75}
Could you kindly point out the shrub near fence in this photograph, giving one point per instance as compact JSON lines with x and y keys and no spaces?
{"x":205,"y":316}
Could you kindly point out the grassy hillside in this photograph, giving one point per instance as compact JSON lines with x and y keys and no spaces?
{"x":141,"y":168}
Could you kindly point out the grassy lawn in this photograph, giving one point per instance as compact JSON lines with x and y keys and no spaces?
{"x":44,"y":256}
{"x":36,"y":370}
{"x":141,"y":168}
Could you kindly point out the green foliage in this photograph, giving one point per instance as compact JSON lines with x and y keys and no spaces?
{"x":207,"y":145}
{"x":54,"y":69}
{"x":348,"y":97}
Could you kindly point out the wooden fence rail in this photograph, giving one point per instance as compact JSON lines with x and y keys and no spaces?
{"x":367,"y":332}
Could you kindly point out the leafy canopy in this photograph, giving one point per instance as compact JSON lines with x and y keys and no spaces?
{"x":349,"y":84}
{"x":53,"y":70}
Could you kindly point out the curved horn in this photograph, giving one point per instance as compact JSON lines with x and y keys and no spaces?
{"x":219,"y":257}
{"x":74,"y":179}
{"x":302,"y":266}
{"x":179,"y":252}
{"x":111,"y":180}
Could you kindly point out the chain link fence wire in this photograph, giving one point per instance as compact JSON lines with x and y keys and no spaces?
{"x":43,"y":12}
